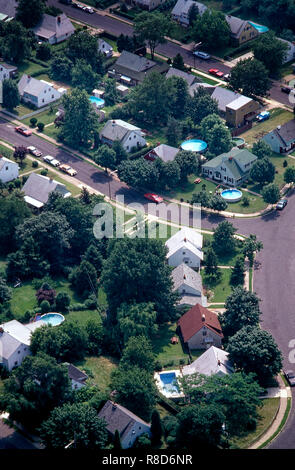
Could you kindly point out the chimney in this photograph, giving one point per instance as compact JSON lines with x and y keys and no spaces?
{"x":184,"y":239}
{"x":184,"y":276}
{"x":218,"y":362}
{"x":203,"y":317}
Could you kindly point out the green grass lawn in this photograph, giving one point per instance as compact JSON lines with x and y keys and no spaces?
{"x":29,"y":68}
{"x":6,"y":152}
{"x":101,"y":369}
{"x":278,"y":117}
{"x":51,"y":131}
{"x":44,"y":116}
{"x":217,"y":292}
{"x":82,"y":316}
{"x":23,"y":299}
{"x":266,"y":415}
{"x":22,"y":110}
{"x":166,"y":352}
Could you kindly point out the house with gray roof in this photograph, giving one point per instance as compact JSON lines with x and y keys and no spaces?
{"x":223,"y":96}
{"x":214,"y":361}
{"x":188,"y":77}
{"x":234,"y":107}
{"x":185,"y":246}
{"x":38,"y":92}
{"x":197,"y":85}
{"x":231,"y":168}
{"x":119,"y":418}
{"x":77,"y":377}
{"x":181,"y":11}
{"x":8,"y":9}
{"x":241,"y":30}
{"x":282,"y":139}
{"x":54,"y":29}
{"x":131,"y":137}
{"x":37,"y":189}
{"x":104,"y":47}
{"x":7,"y":71}
{"x":165,"y":152}
{"x":131,"y":69}
{"x":188,"y":284}
{"x":290,"y":53}
{"x":8,"y":170}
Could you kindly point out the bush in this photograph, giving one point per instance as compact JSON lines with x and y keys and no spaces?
{"x":158,"y":366}
{"x":45,"y":306}
{"x":40,"y":126}
{"x":33,"y":121}
{"x":44,"y":172}
{"x":35,"y":164}
{"x":245,"y":201}
{"x":17,"y":183}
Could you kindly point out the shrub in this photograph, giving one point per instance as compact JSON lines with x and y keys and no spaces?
{"x":35,"y":164}
{"x":44,"y":172}
{"x":45,"y":306}
{"x":40,"y":126}
{"x":33,"y":121}
{"x":245,"y":201}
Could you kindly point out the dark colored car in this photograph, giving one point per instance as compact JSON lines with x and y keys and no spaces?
{"x":290,"y":376}
{"x":281,"y":204}
{"x":286,"y":89}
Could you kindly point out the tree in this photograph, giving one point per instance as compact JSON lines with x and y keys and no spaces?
{"x":45,"y":306}
{"x":171,"y":174}
{"x":139,"y":173}
{"x":261,"y":149}
{"x":62,"y":302}
{"x":250,"y":246}
{"x":83,"y":45}
{"x":120,"y":152}
{"x":263,"y":171}
{"x":217,"y":203}
{"x":219,"y":139}
{"x":251,"y":77}
{"x":34,"y":389}
{"x":80,"y":119}
{"x":77,"y":422}
{"x":95,"y":333}
{"x":238,"y":273}
{"x":11,"y":97}
{"x":179,"y":97}
{"x":193,"y":14}
{"x":83,"y":76}
{"x":117,"y":440}
{"x":201,"y":105}
{"x":137,"y":319}
{"x":208,"y":123}
{"x":289,"y":175}
{"x":94,"y":256}
{"x":138,"y":352}
{"x":46,"y":293}
{"x":188,"y":163}
{"x":211,"y":262}
{"x":223,"y":238}
{"x":5,"y":291}
{"x":15,"y":42}
{"x":254,"y":350}
{"x":106,"y":157}
{"x":61,"y":68}
{"x":178,"y":62}
{"x":20,"y":154}
{"x":27,"y":262}
{"x":43,"y":51}
{"x":271,"y":193}
{"x":30,"y":12}
{"x":241,"y":309}
{"x":172,"y":132}
{"x":111,"y":93}
{"x":151,"y":28}
{"x":212,"y":29}
{"x":201,"y":198}
{"x":270,"y":51}
{"x":156,"y":428}
{"x":83,"y":278}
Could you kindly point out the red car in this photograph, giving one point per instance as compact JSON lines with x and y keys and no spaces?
{"x":23,"y":131}
{"x":154,"y":197}
{"x":216,"y":72}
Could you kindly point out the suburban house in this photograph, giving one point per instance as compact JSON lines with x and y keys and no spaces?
{"x":282,"y":139}
{"x":131,"y":69}
{"x":290,"y":54}
{"x":54,"y":29}
{"x":231,"y":168}
{"x":188,"y":77}
{"x":146,"y":4}
{"x":6,"y":71}
{"x":206,"y":86}
{"x":76,"y":376}
{"x":241,"y":30}
{"x":8,"y":170}
{"x":214,"y":361}
{"x":7,"y":9}
{"x":181,"y":11}
{"x":188,"y":284}
{"x":199,"y":328}
{"x":234,"y":107}
{"x":129,"y":426}
{"x":185,"y":246}
{"x":38,"y":92}
{"x":165,"y":152}
{"x":15,"y":340}
{"x":37,"y":189}
{"x":104,"y":47}
{"x":131,"y":137}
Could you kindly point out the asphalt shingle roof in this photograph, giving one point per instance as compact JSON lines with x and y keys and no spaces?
{"x":192,"y":321}
{"x":54,"y":26}
{"x":166,"y":152}
{"x":116,"y":129}
{"x":75,"y":373}
{"x":39,"y":187}
{"x":183,"y":274}
{"x":184,"y":6}
{"x":233,"y":160}
{"x":8,"y":7}
{"x":134,"y":62}
{"x":212,"y":361}
{"x":286,"y":132}
{"x":236,"y":24}
{"x":188,"y":77}
{"x":224,"y":97}
{"x":118,"y":418}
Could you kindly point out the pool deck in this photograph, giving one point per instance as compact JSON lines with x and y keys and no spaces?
{"x":160,"y":387}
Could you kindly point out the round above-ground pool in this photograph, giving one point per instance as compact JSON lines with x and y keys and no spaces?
{"x":232,"y":195}
{"x":238,"y":142}
{"x":194,"y":145}
{"x":99,"y":102}
{"x":53,"y":319}
{"x":260,"y":28}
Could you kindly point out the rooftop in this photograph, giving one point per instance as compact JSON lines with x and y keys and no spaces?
{"x":166,"y":152}
{"x":184,"y":6}
{"x":212,"y":361}
{"x":183,"y":274}
{"x":223,"y":96}
{"x":188,"y":77}
{"x":51,"y":26}
{"x":38,"y":188}
{"x":286,"y":132}
{"x":197,"y":317}
{"x":116,"y":129}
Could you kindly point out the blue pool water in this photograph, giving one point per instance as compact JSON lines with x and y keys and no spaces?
{"x":169,"y":382}
{"x":260,"y":28}
{"x":232,"y":195}
{"x":53,"y":319}
{"x":98,"y":101}
{"x":194,"y":145}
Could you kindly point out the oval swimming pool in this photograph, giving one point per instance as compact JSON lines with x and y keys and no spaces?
{"x":53,"y":319}
{"x":232,"y":195}
{"x":194,"y":145}
{"x":99,"y":102}
{"x":260,"y":28}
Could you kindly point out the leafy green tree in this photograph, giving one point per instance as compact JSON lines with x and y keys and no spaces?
{"x":263,"y":171}
{"x":270,"y":51}
{"x":212,"y":29}
{"x":219,"y":139}
{"x":200,"y":106}
{"x":106,"y":157}
{"x":20,"y":154}
{"x":45,"y":306}
{"x":271,"y":193}
{"x":11,"y":97}
{"x":261,"y":149}
{"x":223,"y":238}
{"x":241,"y":309}
{"x":152,"y":28}
{"x":193,"y":14}
{"x":15,"y":42}
{"x":78,"y":423}
{"x":26,"y":263}
{"x":138,"y":352}
{"x":5,"y":291}
{"x":171,"y":174}
{"x":254,"y":350}
{"x":201,"y":198}
{"x":179,"y":98}
{"x":83,"y":45}
{"x":83,"y":278}
{"x":251,"y":77}
{"x":94,"y":256}
{"x":188,"y":163}
{"x":30,"y":12}
{"x":217,"y":203}
{"x":43,"y":51}
{"x":83,"y":76}
{"x":238,"y":273}
{"x":211,"y":262}
{"x":120,"y":152}
{"x":156,"y":428}
{"x":94,"y":330}
{"x":110,"y":94}
{"x":172,"y":132}
{"x":34,"y":389}
{"x":178,"y":62}
{"x":62,"y":302}
{"x":208,"y":123}
{"x":250,"y":246}
{"x":139,"y":173}
{"x":117,"y":440}
{"x":137,"y":319}
{"x":289,"y":175}
{"x":61,"y":68}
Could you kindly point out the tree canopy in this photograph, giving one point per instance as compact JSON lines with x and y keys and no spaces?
{"x":251,"y":77}
{"x":151,"y":27}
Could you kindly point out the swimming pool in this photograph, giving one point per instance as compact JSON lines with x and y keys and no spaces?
{"x":194,"y":145}
{"x":53,"y":319}
{"x":99,"y":102}
{"x":260,"y":28}
{"x":232,"y":195}
{"x":169,"y":382}
{"x":238,"y":142}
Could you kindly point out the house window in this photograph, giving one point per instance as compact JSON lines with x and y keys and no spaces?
{"x":43,"y":100}
{"x":18,"y":352}
{"x":204,"y":333}
{"x":6,"y":168}
{"x":15,"y":363}
{"x":52,"y":96}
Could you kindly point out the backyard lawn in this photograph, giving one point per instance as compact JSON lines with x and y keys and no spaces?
{"x":219,"y":291}
{"x":168,"y":354}
{"x":278,"y":117}
{"x":100,"y":368}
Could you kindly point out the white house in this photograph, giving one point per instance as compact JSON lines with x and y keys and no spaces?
{"x":76,"y":376}
{"x":188,"y":284}
{"x":8,"y":170}
{"x":6,"y":71}
{"x":185,"y":246}
{"x":131,"y":137}
{"x":38,"y":92}
{"x":15,"y":339}
{"x":104,"y":47}
{"x":54,"y":29}
{"x":119,"y":418}
{"x":214,"y":361}
{"x":290,"y":54}
{"x":181,"y":11}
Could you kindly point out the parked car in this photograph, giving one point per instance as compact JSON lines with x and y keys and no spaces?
{"x":227,"y":77}
{"x":263,"y":116}
{"x":202,"y":55}
{"x":89,"y":10}
{"x":216,"y":72}
{"x":290,"y":376}
{"x":154,"y":197}
{"x":286,"y":89}
{"x":23,"y":130}
{"x":51,"y":160}
{"x":197,"y":180}
{"x":281,"y":204}
{"x":68,"y":169}
{"x":33,"y":151}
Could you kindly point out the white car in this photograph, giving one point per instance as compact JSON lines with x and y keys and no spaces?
{"x":51,"y":160}
{"x":33,"y":151}
{"x":88,"y":9}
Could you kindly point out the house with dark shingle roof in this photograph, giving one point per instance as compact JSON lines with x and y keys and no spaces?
{"x":8,"y":8}
{"x":234,"y":107}
{"x":37,"y":189}
{"x":7,"y":71}
{"x":199,"y":328}
{"x":165,"y":152}
{"x":241,"y":30}
{"x":188,"y":77}
{"x":282,"y":139}
{"x":76,"y":376}
{"x":231,"y":168}
{"x":119,"y":418}
{"x":130,"y":136}
{"x":188,"y":284}
{"x":54,"y":29}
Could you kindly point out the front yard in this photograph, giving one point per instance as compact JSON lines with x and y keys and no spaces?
{"x":278,"y":117}
{"x":168,"y":354}
{"x":217,"y":292}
